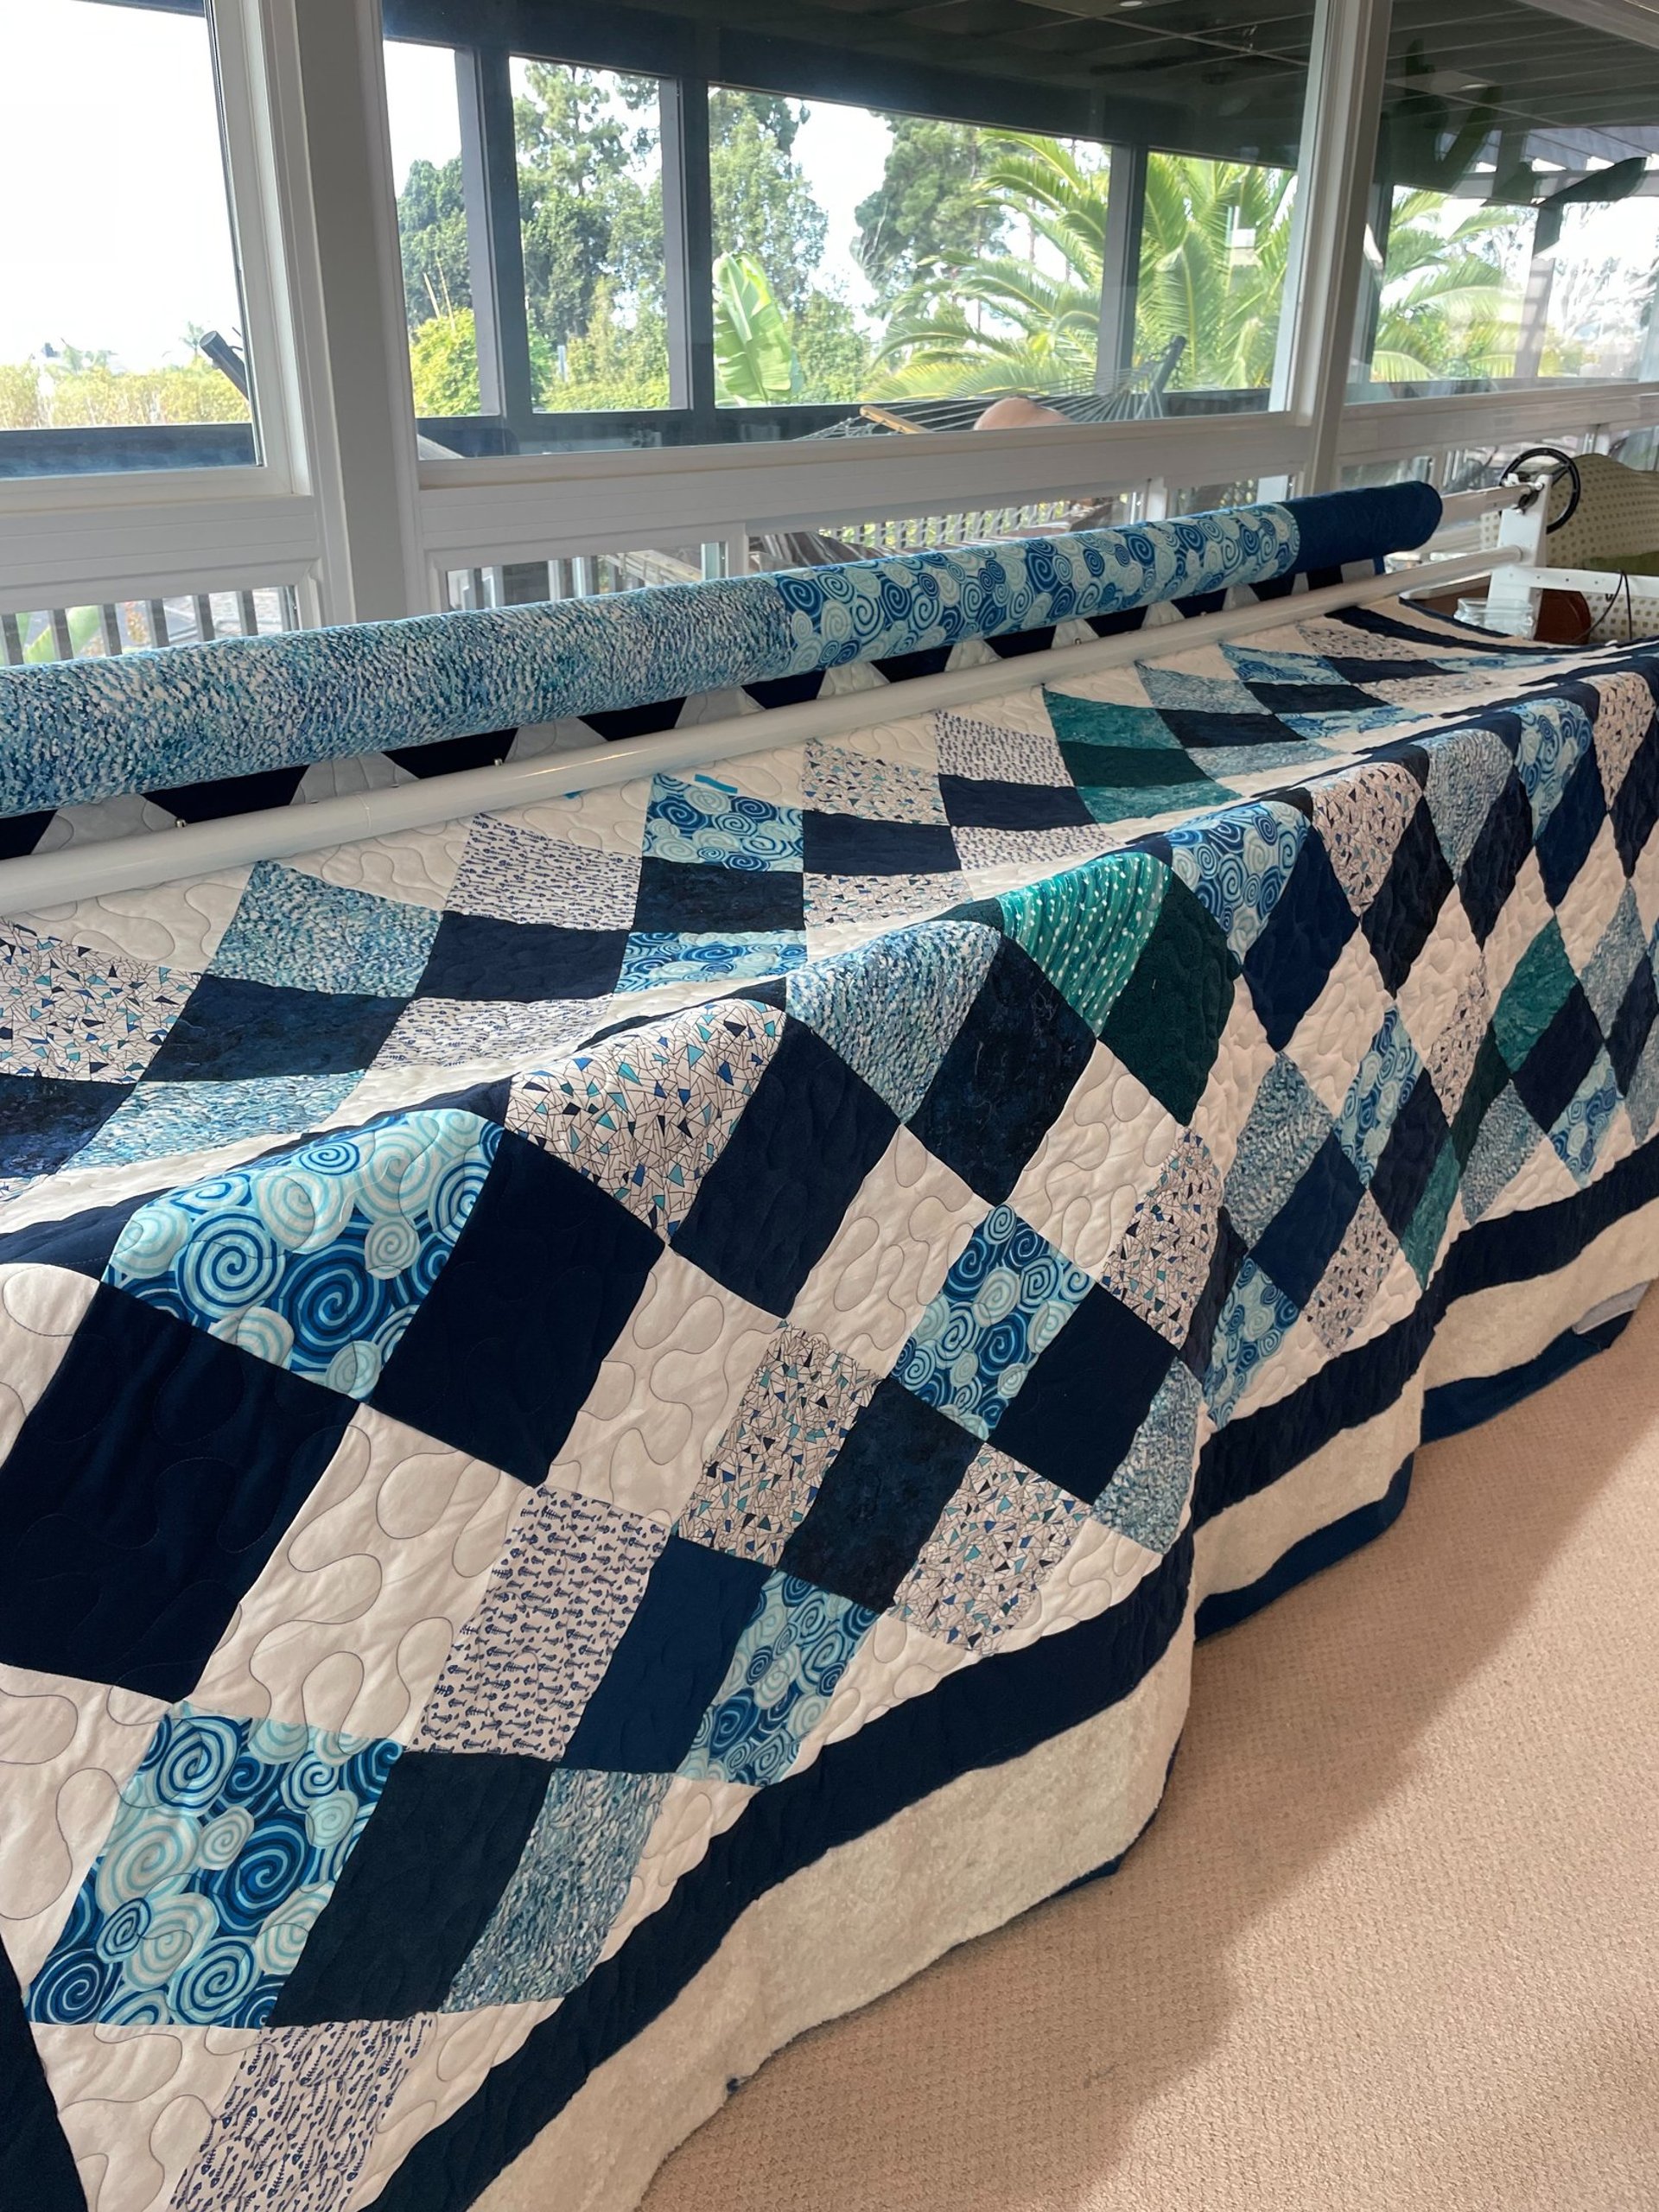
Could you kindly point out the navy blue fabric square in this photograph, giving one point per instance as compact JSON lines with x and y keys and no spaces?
{"x":766,"y":1209}
{"x":1197,"y":728}
{"x":644,"y":720}
{"x":1490,"y":1076}
{"x":673,"y":1658}
{"x":45,"y":1119}
{"x":973,"y":802}
{"x":1010,"y":1069}
{"x":1560,"y":1060}
{"x":1078,"y":1409}
{"x":880,"y":1499}
{"x":1398,"y":920}
{"x":1299,"y":1241}
{"x":699,"y":898}
{"x":1500,"y":852}
{"x":1313,"y":698}
{"x":1564,"y":841}
{"x":1626,"y":1038}
{"x":37,"y":2168}
{"x":507,"y":1342}
{"x":418,"y":1888}
{"x":1018,"y":643}
{"x":1224,"y":1264}
{"x":1408,"y":1157}
{"x":230,"y":1031}
{"x":211,"y":802}
{"x":845,"y":844}
{"x":1636,"y":806}
{"x":145,"y":1492}
{"x":1165,"y":1023}
{"x":83,"y":1242}
{"x":476,"y":957}
{"x":1287,"y":965}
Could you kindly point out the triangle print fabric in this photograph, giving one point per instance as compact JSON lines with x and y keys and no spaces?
{"x":597,"y":1400}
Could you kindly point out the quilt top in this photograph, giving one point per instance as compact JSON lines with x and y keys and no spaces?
{"x":521,"y":1344}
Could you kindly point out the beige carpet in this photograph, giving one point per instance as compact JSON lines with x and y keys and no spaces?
{"x":1394,"y":1939}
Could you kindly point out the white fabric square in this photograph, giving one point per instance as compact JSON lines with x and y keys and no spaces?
{"x":1441,"y":977}
{"x":1243,"y":1057}
{"x":906,"y":1226}
{"x":1591,"y":899}
{"x":136,"y":2104}
{"x":352,"y":1616}
{"x":1101,"y":1156}
{"x":668,"y":1386}
{"x":1524,"y":913}
{"x":1332,"y":1036}
{"x":66,"y":1749}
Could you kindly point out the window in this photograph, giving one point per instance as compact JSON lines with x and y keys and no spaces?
{"x":1514,"y":230}
{"x":730,"y":222}
{"x":121,"y":321}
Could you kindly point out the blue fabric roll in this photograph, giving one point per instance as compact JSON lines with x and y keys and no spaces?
{"x":73,"y":732}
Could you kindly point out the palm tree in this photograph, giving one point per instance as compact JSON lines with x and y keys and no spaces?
{"x":1212,"y":266}
{"x":1447,"y":309}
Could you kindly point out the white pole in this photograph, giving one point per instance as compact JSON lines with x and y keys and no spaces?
{"x":42,"y":879}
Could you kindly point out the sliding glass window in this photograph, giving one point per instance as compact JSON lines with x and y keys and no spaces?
{"x":121,"y":320}
{"x":1513,"y":237}
{"x":744,"y":220}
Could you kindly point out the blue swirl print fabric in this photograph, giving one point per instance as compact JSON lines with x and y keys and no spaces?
{"x":76,"y":732}
{"x":615,"y":1423}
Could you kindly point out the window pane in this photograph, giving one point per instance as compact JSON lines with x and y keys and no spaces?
{"x":910,"y":214}
{"x":121,"y":340}
{"x":1515,"y":218}
{"x":423,"y":109}
{"x":590,"y":210}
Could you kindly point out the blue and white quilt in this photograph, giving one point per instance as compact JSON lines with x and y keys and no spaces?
{"x":616,"y":1421}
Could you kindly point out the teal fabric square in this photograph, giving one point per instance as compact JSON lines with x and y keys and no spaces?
{"x":1103,"y":721}
{"x":1168,"y":1020}
{"x":1004,"y":1302}
{"x":892,"y":1007}
{"x":297,"y":932}
{"x":698,"y":819}
{"x":1085,"y":928}
{"x":1534,"y":996}
{"x":225,"y":1846}
{"x":548,"y":1929}
{"x":782,"y":1675}
{"x":1428,"y":1225}
{"x":1132,"y":800}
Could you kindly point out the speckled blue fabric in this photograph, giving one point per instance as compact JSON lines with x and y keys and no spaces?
{"x":77,"y":731}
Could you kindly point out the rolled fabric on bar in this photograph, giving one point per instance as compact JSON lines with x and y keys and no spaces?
{"x":74,"y":732}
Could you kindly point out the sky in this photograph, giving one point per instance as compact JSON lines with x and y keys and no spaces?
{"x":117,"y":230}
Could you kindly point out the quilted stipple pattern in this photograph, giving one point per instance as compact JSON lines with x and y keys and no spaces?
{"x":839,"y":1360}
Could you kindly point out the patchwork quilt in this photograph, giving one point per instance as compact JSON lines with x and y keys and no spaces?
{"x":616,"y":1420}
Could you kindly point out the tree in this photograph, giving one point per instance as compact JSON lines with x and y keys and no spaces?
{"x":763,"y":207}
{"x":443,"y":364}
{"x":1447,"y":307}
{"x":928,"y":205}
{"x":432,"y":232}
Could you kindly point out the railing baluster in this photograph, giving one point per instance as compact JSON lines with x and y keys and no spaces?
{"x":249,"y":613}
{"x":110,"y":620}
{"x":157,"y":609}
{"x":12,"y":633}
{"x":207,"y":626}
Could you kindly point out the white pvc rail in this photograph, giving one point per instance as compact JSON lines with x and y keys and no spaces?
{"x":84,"y":871}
